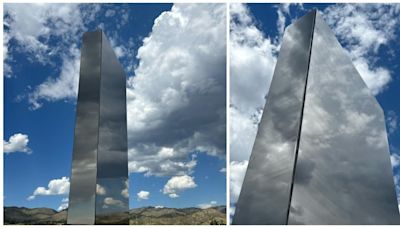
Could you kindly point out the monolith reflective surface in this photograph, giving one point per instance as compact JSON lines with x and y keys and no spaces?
{"x":321,"y":153}
{"x":270,"y":168}
{"x":99,"y":177}
{"x":343,"y":173}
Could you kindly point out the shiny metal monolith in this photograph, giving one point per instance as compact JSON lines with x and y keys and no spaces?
{"x":321,"y":153}
{"x":99,"y":177}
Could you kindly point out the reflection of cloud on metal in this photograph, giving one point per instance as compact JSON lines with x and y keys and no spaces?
{"x":321,"y":147}
{"x":125,"y":192}
{"x":109,"y":201}
{"x":100,"y":190}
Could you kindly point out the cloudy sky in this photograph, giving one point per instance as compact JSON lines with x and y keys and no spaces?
{"x":369,"y":33}
{"x":174,"y":57}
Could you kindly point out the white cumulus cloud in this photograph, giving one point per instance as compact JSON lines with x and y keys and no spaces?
{"x":395,"y":160}
{"x":32,"y":26}
{"x":184,"y":111}
{"x":252,"y":59}
{"x":100,"y":190}
{"x":178,"y":184}
{"x":207,"y":205}
{"x":392,"y":121}
{"x":252,"y":62}
{"x":143,"y":195}
{"x":63,"y":205}
{"x":364,"y":29}
{"x":237,"y":171}
{"x":55,"y":187}
{"x":125,"y":191}
{"x":113,"y":202}
{"x":63,"y":87}
{"x":17,"y":143}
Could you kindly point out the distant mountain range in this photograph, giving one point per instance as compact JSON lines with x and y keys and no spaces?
{"x":140,"y":216}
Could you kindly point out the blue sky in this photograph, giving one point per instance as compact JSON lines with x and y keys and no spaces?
{"x":368,"y":32}
{"x":172,"y":165}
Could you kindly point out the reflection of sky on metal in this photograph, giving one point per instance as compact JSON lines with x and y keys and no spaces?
{"x":83,"y":176}
{"x":101,"y":124}
{"x":271,"y":163}
{"x":112,"y":158}
{"x":112,"y":202}
{"x":343,"y":173}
